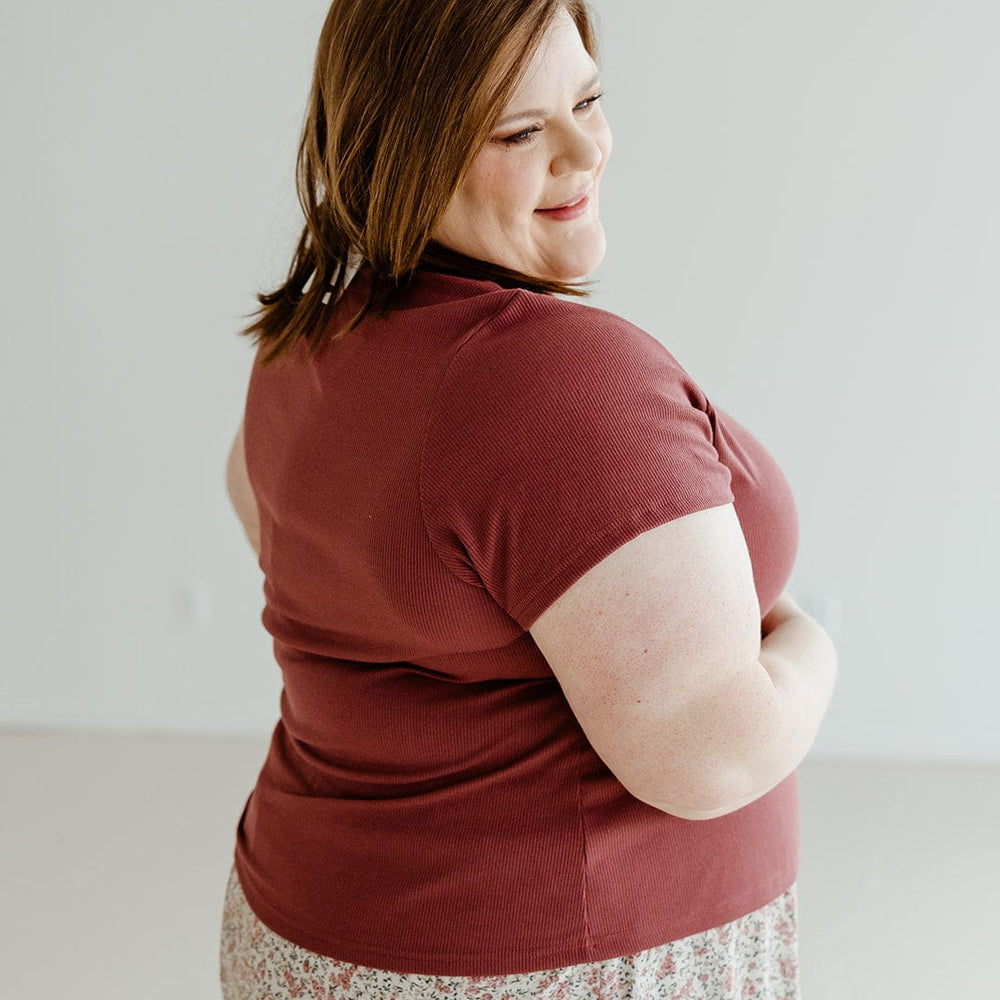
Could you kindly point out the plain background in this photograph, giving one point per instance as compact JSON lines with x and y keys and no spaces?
{"x":802,"y":206}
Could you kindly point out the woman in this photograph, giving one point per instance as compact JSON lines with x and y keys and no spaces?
{"x":532,"y":742}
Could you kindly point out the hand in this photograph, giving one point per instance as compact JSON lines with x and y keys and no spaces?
{"x":241,"y":493}
{"x":784,"y":609}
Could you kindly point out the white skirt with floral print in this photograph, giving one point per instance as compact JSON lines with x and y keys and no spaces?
{"x":754,"y":956}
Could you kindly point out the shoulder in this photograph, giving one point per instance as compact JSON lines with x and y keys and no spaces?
{"x":558,"y":324}
{"x":548,"y":343}
{"x":559,"y":432}
{"x":545,"y":375}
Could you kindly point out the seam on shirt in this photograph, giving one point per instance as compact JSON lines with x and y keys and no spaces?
{"x":588,"y":941}
{"x":475,"y":331}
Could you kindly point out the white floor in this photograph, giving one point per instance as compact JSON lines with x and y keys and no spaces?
{"x":116,"y":851}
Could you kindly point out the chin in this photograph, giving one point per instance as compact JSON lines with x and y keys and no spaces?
{"x":585,"y":263}
{"x":569,"y":255}
{"x":578,"y":267}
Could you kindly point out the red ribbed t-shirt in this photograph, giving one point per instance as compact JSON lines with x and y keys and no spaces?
{"x":427,"y":486}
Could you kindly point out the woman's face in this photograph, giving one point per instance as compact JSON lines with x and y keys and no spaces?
{"x":548,"y":150}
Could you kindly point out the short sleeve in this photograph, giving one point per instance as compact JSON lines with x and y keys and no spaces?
{"x":559,"y":433}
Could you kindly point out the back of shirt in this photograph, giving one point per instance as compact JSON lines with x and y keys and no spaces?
{"x":427,"y":486}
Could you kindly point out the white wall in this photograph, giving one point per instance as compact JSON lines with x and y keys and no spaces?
{"x":801,"y":206}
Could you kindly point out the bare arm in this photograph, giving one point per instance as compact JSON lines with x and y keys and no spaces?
{"x":658,"y":650}
{"x":241,"y":493}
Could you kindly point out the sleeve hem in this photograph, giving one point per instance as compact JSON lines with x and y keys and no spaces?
{"x":581,"y":560}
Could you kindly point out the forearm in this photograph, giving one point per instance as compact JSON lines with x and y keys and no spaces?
{"x":801,"y":661}
{"x":800,"y":664}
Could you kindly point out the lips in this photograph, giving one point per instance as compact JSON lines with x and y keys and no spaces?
{"x":577,"y":199}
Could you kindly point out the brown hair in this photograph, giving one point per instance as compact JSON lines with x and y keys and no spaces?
{"x":405,"y":94}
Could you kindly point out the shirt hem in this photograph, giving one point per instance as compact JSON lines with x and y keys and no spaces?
{"x":510,"y":962}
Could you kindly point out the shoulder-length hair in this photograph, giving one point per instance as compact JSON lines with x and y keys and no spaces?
{"x":405,"y":94}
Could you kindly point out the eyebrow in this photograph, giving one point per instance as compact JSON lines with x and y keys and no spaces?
{"x":541,"y":112}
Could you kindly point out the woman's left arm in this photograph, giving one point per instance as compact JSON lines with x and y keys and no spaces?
{"x":241,"y":493}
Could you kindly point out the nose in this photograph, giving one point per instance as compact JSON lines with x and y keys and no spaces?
{"x":577,"y":152}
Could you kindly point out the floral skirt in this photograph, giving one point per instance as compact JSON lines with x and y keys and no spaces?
{"x":754,"y":956}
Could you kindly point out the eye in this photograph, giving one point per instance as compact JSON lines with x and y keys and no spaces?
{"x":527,"y":136}
{"x":587,"y":104}
{"x":521,"y":138}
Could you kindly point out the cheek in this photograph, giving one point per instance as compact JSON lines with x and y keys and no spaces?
{"x":503,"y":188}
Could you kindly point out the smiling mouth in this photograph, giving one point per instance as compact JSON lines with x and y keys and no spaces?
{"x":576,"y":202}
{"x":579,"y":206}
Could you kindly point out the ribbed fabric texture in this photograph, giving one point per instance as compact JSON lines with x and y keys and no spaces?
{"x":427,"y":487}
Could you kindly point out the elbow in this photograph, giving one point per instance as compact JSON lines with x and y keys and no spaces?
{"x":682,"y":811}
{"x":704,"y":800}
{"x":698,"y":815}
